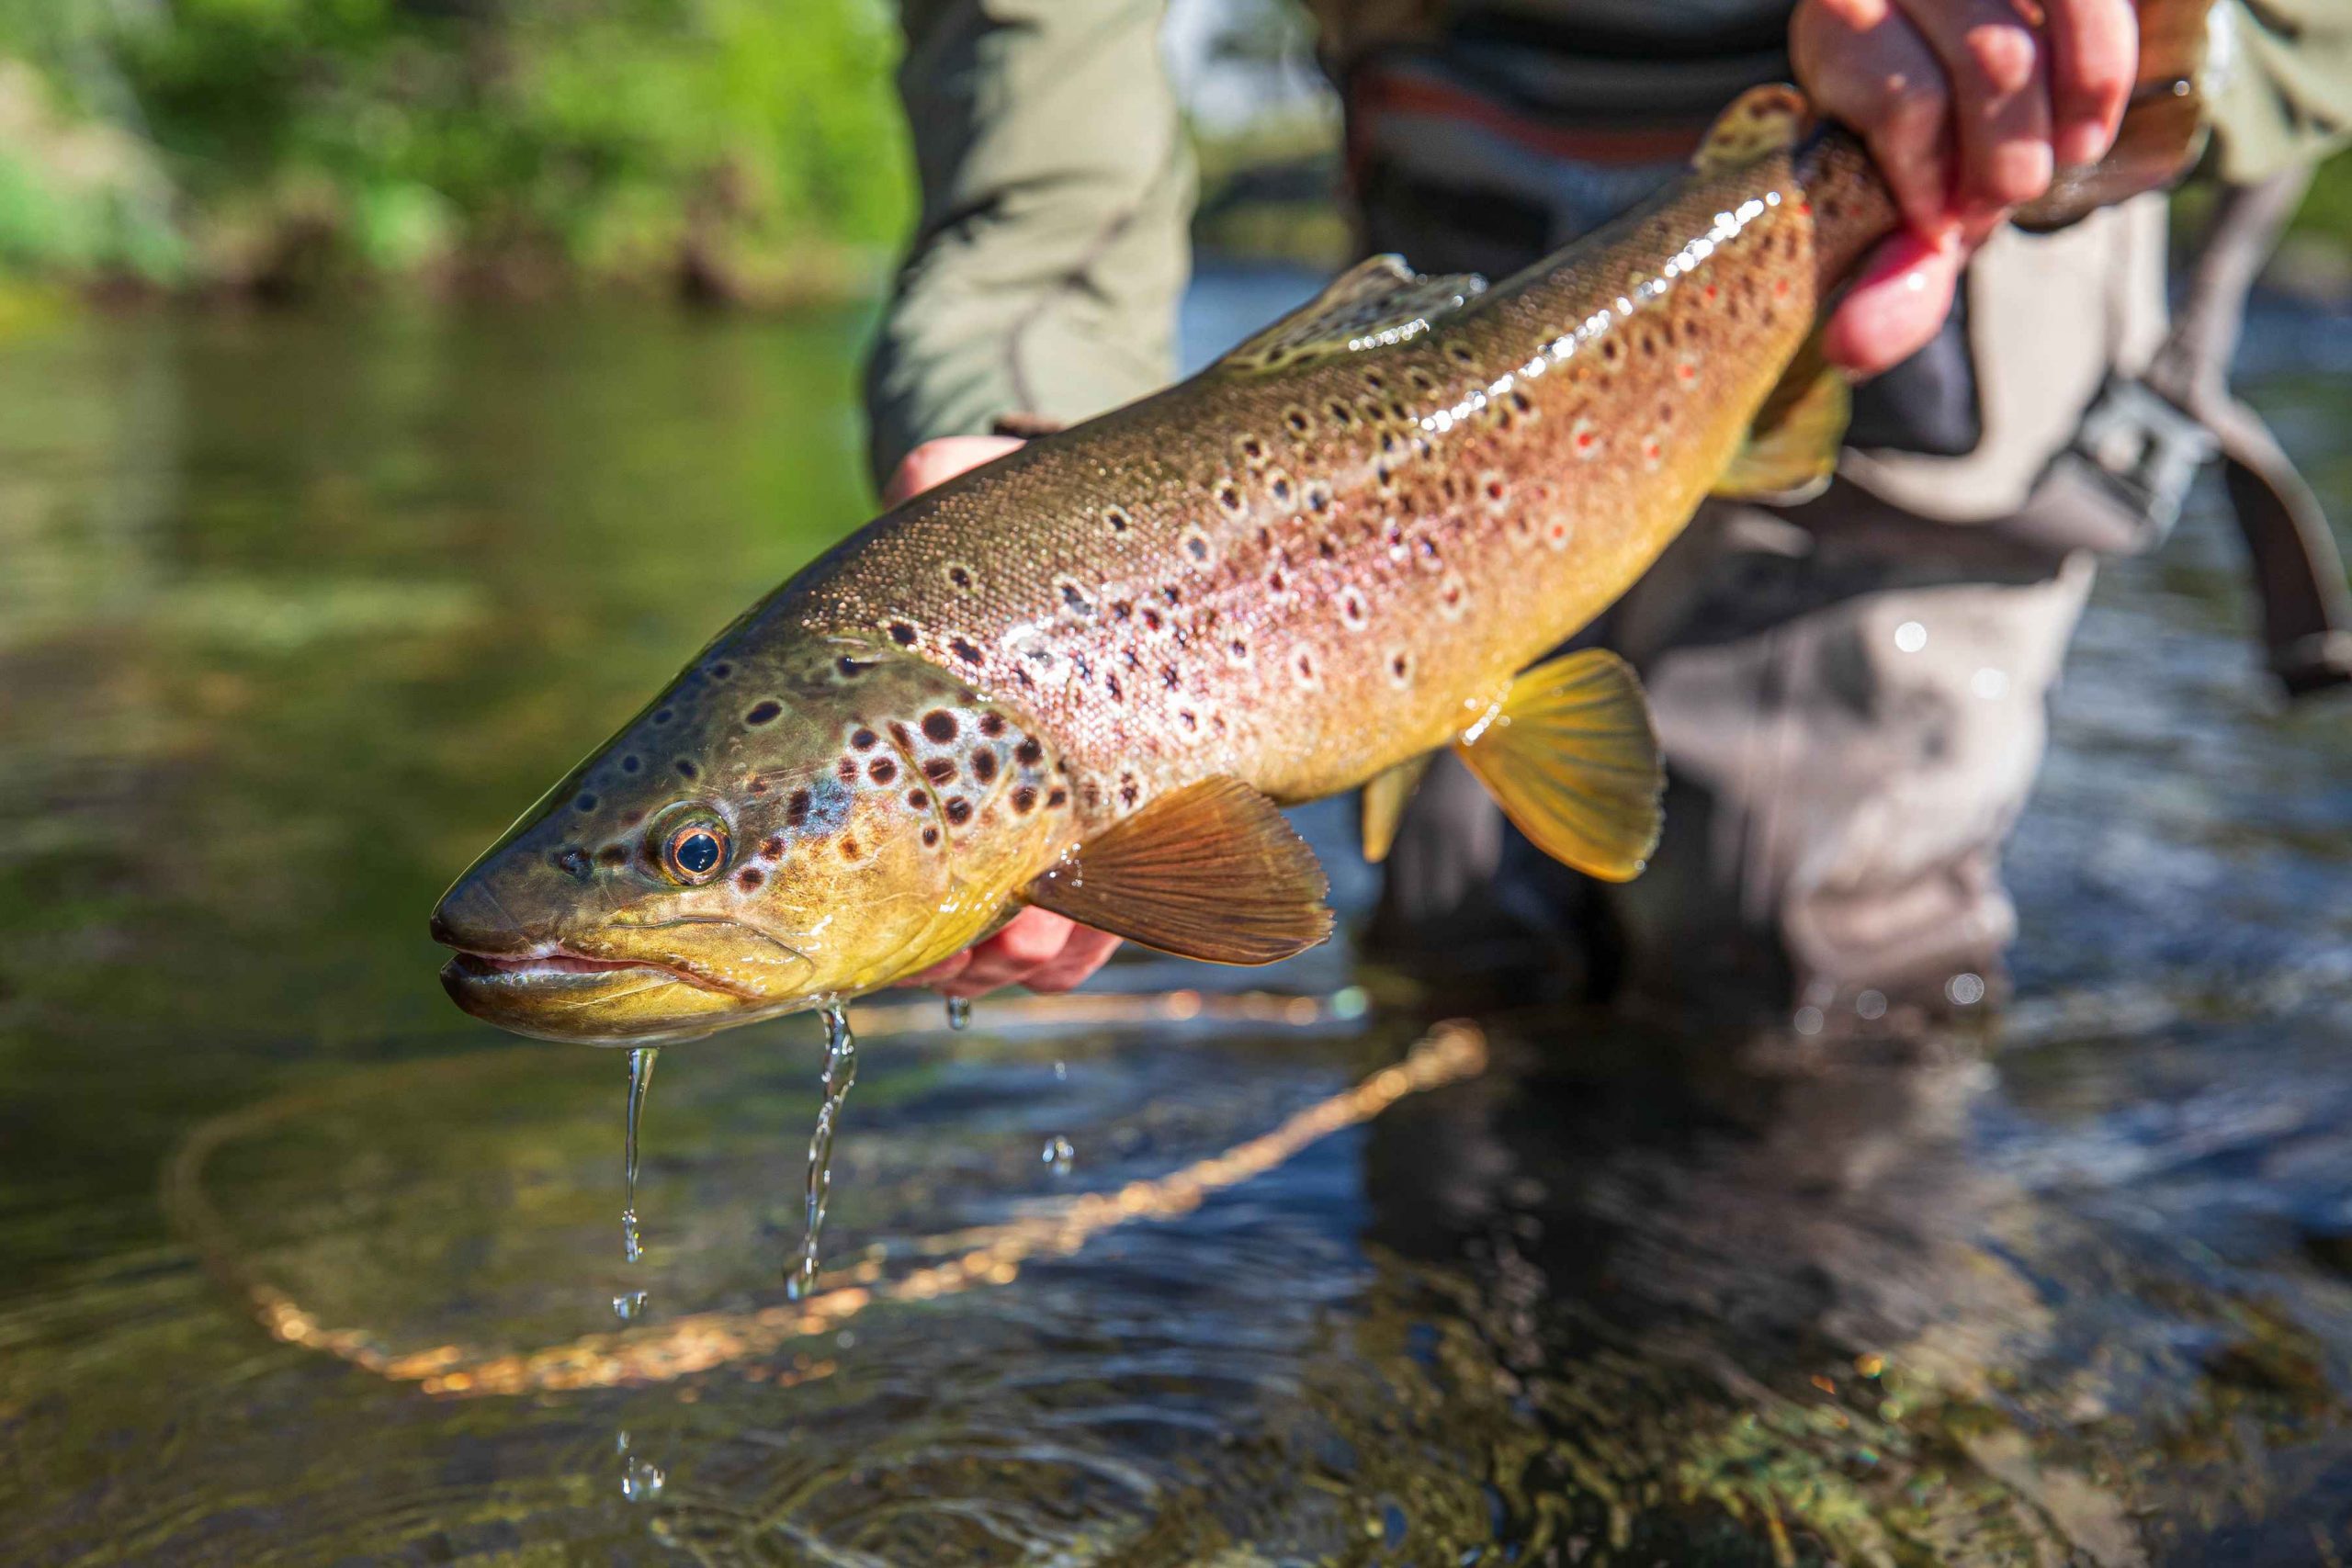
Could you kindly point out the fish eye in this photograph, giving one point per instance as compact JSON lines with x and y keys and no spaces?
{"x":694,"y":851}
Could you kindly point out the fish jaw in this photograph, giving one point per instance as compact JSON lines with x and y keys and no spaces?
{"x":558,"y":998}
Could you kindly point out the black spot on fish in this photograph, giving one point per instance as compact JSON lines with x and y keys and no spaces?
{"x":847,"y":769}
{"x":613,"y":854}
{"x":1129,"y":791}
{"x":960,"y":810}
{"x":904,"y":737}
{"x":1187,"y":718}
{"x":1024,"y":799}
{"x":1057,"y":797}
{"x":573,"y":863}
{"x":962,"y":648}
{"x":939,"y":770}
{"x":1196,"y":547}
{"x":1075,"y":600}
{"x":984,"y":766}
{"x":960,"y":576}
{"x":750,"y":877}
{"x":763,"y":712}
{"x":850,"y":849}
{"x":863,"y":739}
{"x":991,"y":725}
{"x":720,"y":672}
{"x":686,"y":770}
{"x":796,"y":810}
{"x":1168,"y":677}
{"x":940,"y":725}
{"x":630,"y":765}
{"x":1029,"y":753}
{"x":902,"y":633}
{"x":1117,"y":518}
{"x":851,"y":669}
{"x":585,"y":803}
{"x":1110,"y":685}
{"x":930,"y":837}
{"x":773,"y":846}
{"x":663,"y":715}
{"x":1151,"y":618}
{"x":882,"y":770}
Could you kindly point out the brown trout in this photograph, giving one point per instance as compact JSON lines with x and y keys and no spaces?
{"x":1085,"y":676}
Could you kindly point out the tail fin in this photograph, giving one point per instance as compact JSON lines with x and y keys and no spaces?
{"x":2163,"y":125}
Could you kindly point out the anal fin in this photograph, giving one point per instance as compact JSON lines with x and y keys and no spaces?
{"x":1386,"y":795}
{"x":1570,"y":757}
{"x":1210,"y":871}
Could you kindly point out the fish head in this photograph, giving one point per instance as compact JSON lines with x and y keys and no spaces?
{"x":779,"y":829}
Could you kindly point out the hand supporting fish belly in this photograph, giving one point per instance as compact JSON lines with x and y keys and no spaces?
{"x":1084,"y":677}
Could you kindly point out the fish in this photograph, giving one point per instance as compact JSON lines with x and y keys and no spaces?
{"x":1087,"y":676}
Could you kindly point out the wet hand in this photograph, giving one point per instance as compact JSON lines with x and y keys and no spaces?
{"x":1037,"y":948}
{"x":1968,"y":107}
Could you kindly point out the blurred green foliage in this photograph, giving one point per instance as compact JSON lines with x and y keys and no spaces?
{"x":736,"y":142}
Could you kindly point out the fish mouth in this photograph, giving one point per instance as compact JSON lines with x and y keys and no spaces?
{"x":555,"y":966}
{"x":553,"y":994}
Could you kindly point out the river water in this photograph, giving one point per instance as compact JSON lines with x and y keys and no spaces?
{"x":299,"y":1265}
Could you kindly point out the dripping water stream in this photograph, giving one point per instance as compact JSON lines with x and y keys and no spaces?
{"x":840,"y":1072}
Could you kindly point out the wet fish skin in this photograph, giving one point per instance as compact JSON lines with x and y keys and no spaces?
{"x":1194,"y":584}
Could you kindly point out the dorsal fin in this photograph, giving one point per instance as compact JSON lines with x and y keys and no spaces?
{"x":1760,"y":121}
{"x":1371,"y":305}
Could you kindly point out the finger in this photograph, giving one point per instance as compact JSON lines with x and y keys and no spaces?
{"x":1027,"y":940}
{"x":936,"y":462}
{"x":1994,"y":60}
{"x":2094,"y":59}
{"x":1864,"y":66}
{"x":1895,"y":307}
{"x":1086,"y":951}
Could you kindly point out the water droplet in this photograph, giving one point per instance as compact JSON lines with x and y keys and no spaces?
{"x":1910,"y":637}
{"x":1807,"y":1021}
{"x":629,"y":1306}
{"x":640,"y":1075}
{"x":1351,"y":1003}
{"x":1061,"y":1072}
{"x":840,"y":1072}
{"x":1967,"y":989}
{"x":1057,"y":1155}
{"x":1989,"y":683}
{"x":959,"y":1012}
{"x":641,"y":1480}
{"x":1871,"y":1004}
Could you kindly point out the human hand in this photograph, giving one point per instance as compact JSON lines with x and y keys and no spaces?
{"x":1037,"y":948}
{"x":1968,"y":107}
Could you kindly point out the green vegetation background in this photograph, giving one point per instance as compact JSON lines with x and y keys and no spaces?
{"x":750,"y":145}
{"x":733,"y":149}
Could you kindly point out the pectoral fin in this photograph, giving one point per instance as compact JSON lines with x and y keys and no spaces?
{"x":1210,"y":871}
{"x":1569,"y":756}
{"x":1792,"y":448}
{"x":1383,"y":803}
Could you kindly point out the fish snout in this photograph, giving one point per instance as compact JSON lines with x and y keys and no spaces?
{"x":469,"y":919}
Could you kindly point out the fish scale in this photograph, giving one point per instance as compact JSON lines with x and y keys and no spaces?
{"x":1473,"y":516}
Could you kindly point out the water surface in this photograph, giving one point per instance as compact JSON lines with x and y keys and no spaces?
{"x":295,"y":611}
